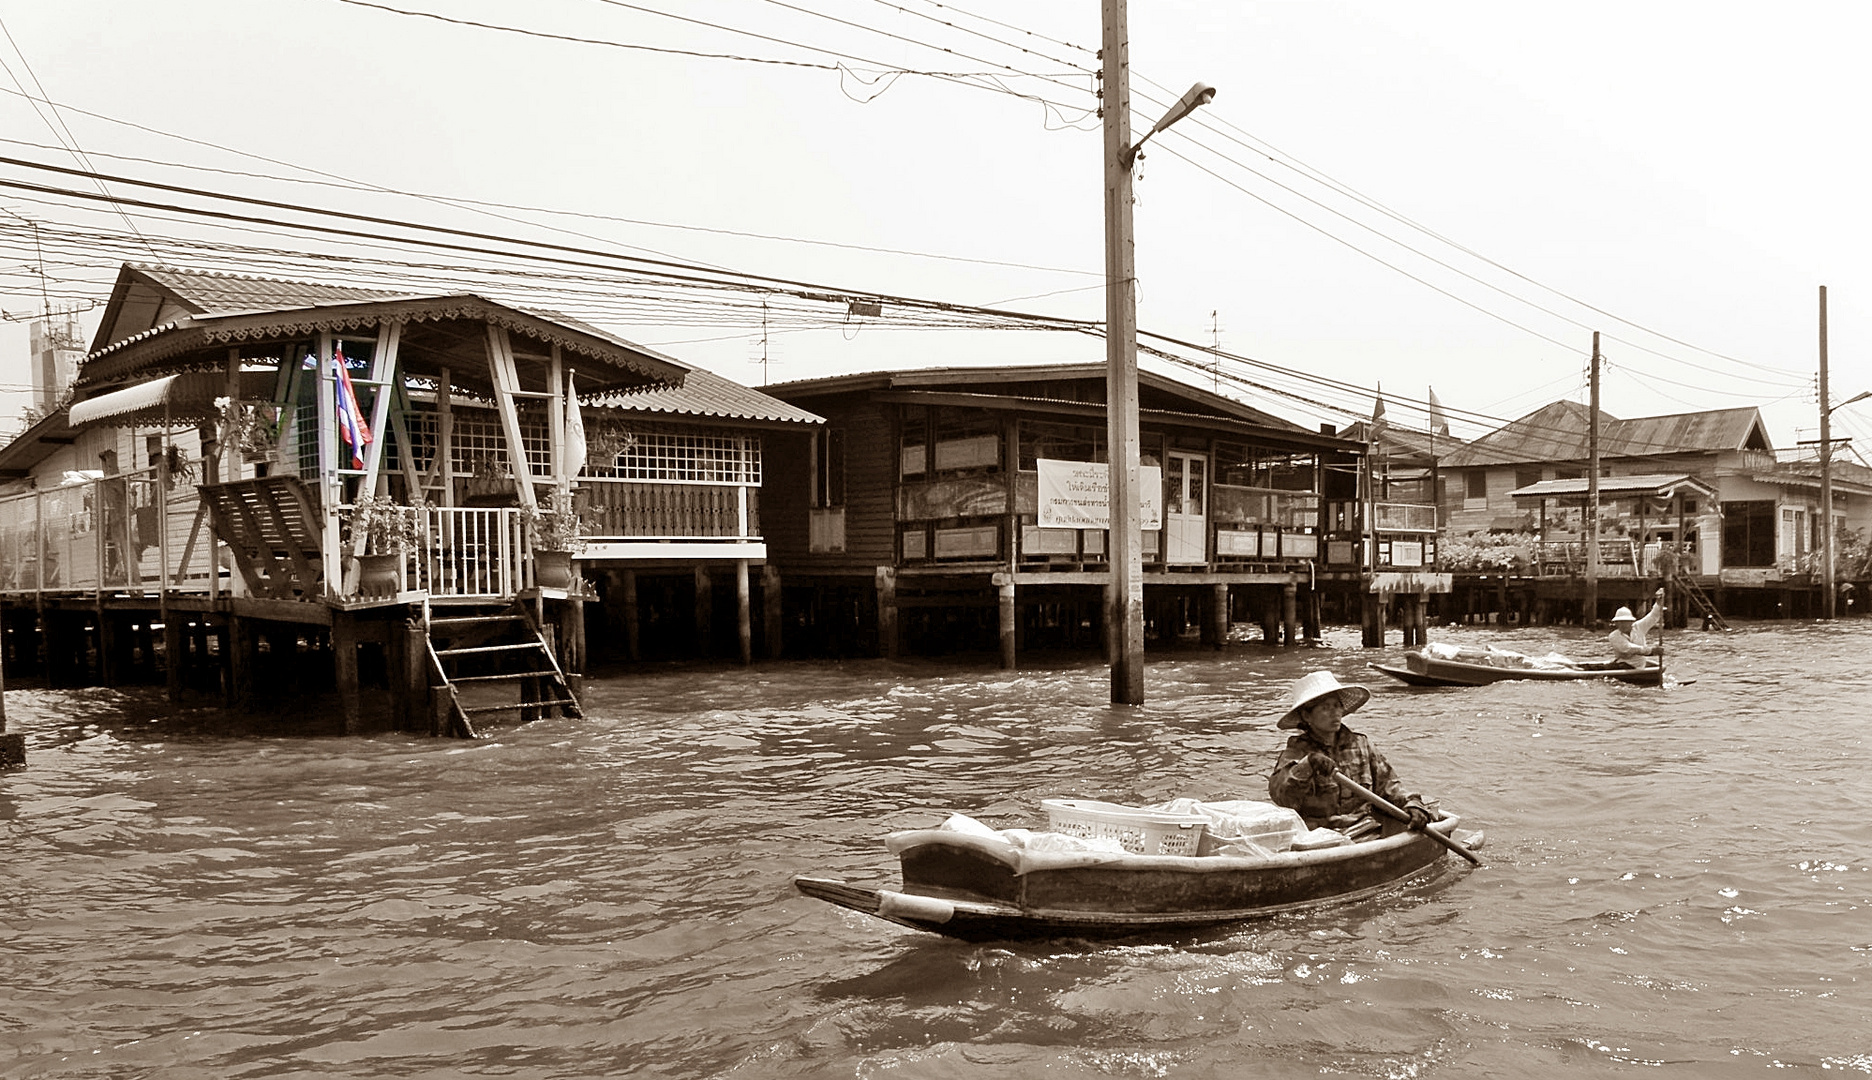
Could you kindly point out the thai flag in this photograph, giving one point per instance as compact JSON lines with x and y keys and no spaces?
{"x":351,"y":426}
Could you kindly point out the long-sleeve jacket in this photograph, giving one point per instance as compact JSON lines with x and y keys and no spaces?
{"x":1631,"y":650}
{"x":1292,"y":783}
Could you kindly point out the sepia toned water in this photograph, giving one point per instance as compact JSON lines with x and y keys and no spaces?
{"x":1677,"y":882}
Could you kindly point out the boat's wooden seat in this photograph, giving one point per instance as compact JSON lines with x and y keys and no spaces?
{"x":273,"y":525}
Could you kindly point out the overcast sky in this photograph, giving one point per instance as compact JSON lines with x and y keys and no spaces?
{"x":1442,"y":195}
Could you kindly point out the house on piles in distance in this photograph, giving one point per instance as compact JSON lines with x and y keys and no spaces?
{"x":205,"y":512}
{"x":914,"y":521}
{"x":1700,"y":498}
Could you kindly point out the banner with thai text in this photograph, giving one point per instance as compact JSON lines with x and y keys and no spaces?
{"x":1077,"y":494}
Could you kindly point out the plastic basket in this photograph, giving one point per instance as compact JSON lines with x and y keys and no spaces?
{"x":1140,"y":832}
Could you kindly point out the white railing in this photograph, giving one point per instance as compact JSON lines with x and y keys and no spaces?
{"x":134,"y":533}
{"x":131,"y":532}
{"x":472,"y":552}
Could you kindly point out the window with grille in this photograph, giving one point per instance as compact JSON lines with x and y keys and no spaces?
{"x":476,"y":441}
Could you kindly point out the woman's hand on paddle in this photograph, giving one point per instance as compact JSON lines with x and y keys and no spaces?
{"x":1321,"y":764}
{"x":1419,"y":817}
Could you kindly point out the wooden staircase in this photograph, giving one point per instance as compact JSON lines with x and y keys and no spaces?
{"x":1701,"y":601}
{"x":474,"y":658}
{"x":272,"y":525}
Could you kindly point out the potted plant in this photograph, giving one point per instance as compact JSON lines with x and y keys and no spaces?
{"x":390,"y":530}
{"x":554,"y":528}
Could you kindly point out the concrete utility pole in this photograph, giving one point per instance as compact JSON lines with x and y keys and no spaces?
{"x":1591,"y":614}
{"x":1124,"y":599}
{"x":1826,"y":472}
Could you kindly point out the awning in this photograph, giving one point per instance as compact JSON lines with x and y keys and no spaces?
{"x":1654,"y":485}
{"x":182,"y":398}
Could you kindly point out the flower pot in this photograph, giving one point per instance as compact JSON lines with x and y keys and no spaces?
{"x":552,"y":569}
{"x":377,"y":574}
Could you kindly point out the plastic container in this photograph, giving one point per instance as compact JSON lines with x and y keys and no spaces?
{"x":1138,"y":831}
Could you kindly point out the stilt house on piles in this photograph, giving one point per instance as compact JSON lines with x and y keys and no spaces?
{"x":270,"y":474}
{"x":924,"y":516}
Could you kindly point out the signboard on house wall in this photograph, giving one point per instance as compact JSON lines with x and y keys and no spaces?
{"x":1077,"y":494}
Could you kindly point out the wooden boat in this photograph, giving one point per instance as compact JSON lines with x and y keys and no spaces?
{"x":1423,"y":669}
{"x":981,"y":888}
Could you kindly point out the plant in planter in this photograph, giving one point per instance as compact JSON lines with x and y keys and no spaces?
{"x":390,"y":532}
{"x":554,"y":527}
{"x":554,"y":523}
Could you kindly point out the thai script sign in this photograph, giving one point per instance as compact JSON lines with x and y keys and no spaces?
{"x":1077,"y":494}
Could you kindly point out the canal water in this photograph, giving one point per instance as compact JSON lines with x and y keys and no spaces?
{"x":1677,"y":880}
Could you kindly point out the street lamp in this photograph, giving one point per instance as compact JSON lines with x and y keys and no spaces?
{"x":1124,"y":599}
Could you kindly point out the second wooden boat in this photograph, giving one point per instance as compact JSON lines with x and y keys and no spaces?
{"x":1423,"y":669}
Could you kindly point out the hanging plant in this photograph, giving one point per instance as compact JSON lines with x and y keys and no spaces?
{"x":176,"y":460}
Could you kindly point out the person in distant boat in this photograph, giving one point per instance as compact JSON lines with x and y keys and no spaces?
{"x":1627,"y":639}
{"x":1304,"y":776}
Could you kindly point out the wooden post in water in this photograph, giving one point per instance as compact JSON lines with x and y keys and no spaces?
{"x":888,"y":643}
{"x":629,"y":615}
{"x":414,"y":677}
{"x":345,"y":671}
{"x":12,"y":744}
{"x":1290,"y":614}
{"x":744,"y":613}
{"x":1004,"y":586}
{"x":704,"y":612}
{"x":1219,"y":614}
{"x":771,"y":612}
{"x":175,"y":654}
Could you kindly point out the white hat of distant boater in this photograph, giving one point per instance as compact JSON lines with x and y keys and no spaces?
{"x":1623,"y":615}
{"x":1317,"y":684}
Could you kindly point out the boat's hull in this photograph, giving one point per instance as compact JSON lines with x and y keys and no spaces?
{"x":984,"y":890}
{"x":1430,"y":671}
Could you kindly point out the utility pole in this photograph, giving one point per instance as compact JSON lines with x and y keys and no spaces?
{"x":1124,"y":598}
{"x":1592,"y":494}
{"x":1826,"y":472}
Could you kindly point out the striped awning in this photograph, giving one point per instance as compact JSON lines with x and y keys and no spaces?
{"x":170,"y":399}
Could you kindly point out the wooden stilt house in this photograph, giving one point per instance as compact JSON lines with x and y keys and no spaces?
{"x":290,"y":433}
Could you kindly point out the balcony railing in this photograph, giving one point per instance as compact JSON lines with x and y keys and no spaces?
{"x":1567,"y":558}
{"x":136,"y":531}
{"x":631,"y":509}
{"x":1404,"y":517}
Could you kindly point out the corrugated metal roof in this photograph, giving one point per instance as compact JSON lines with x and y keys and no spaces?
{"x":973,"y":379}
{"x":1560,"y":431}
{"x":704,"y":393}
{"x":215,"y":293}
{"x":1662,"y":485}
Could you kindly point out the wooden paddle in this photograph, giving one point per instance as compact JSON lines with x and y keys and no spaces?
{"x":1384,"y":806}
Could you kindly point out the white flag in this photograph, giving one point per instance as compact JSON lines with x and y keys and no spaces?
{"x":575,"y":430}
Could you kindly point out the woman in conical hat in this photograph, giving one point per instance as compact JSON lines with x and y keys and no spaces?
{"x":1322,"y":746}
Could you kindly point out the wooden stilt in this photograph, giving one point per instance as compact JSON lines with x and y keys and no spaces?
{"x":574,"y":668}
{"x":345,"y":672}
{"x":1005,"y":586}
{"x":887,"y":611}
{"x":1217,"y":627}
{"x":771,"y":613}
{"x":241,"y":653}
{"x":704,"y":612}
{"x":108,"y":646}
{"x":744,"y":613}
{"x":413,"y":675}
{"x":632,"y":647}
{"x":1290,"y":613}
{"x":1373,"y":620}
{"x":175,"y":656}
